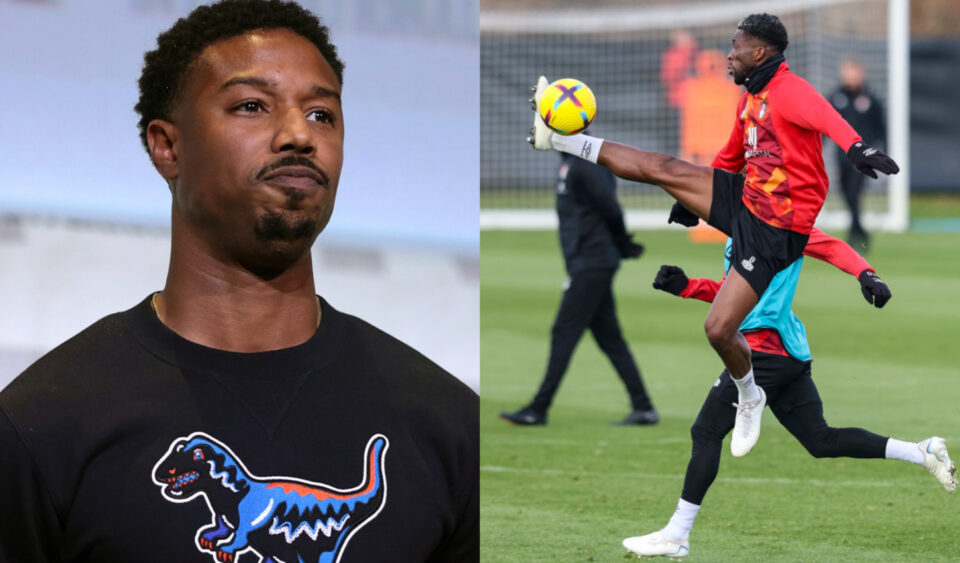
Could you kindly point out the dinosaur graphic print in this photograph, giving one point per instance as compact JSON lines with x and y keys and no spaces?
{"x":279,"y":519}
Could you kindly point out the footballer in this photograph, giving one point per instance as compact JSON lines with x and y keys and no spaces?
{"x":764,"y":189}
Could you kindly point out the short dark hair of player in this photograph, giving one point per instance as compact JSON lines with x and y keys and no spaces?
{"x":767,"y":28}
{"x":166,"y":68}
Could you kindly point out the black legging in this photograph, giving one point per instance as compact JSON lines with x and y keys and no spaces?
{"x":794,"y":400}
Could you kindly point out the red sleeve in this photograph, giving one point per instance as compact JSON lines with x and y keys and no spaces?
{"x":803,"y":106}
{"x":835,"y":252}
{"x":731,"y":157}
{"x":704,"y":289}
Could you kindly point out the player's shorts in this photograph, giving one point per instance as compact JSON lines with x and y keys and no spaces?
{"x":760,"y":250}
{"x":786,"y":380}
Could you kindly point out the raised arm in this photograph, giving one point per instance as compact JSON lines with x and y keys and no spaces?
{"x":804,"y":106}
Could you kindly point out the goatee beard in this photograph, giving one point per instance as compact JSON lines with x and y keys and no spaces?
{"x":277,"y":227}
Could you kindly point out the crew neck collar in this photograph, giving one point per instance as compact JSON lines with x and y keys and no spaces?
{"x":320,"y":350}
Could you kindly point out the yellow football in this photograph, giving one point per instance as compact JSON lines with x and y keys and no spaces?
{"x":567,"y":106}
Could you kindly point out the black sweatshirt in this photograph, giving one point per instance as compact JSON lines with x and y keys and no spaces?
{"x":129,"y":443}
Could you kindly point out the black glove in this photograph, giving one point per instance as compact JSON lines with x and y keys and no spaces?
{"x":680,"y":215}
{"x":628,"y":248}
{"x":671,"y":279}
{"x":874,"y":290}
{"x":867,"y":159}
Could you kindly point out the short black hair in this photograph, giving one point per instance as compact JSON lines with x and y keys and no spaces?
{"x":767,"y":28}
{"x":165,"y":69}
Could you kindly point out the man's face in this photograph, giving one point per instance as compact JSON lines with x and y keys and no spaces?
{"x":852,"y":75}
{"x":743,"y":56}
{"x":258,"y":140}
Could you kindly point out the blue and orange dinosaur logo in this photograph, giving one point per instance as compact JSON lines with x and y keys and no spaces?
{"x":280,"y":519}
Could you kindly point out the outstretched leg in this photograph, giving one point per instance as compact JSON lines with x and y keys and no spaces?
{"x":690,"y":184}
{"x":801,"y":412}
{"x":808,"y":426}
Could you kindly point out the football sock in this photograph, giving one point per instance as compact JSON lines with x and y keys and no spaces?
{"x":747,"y":387}
{"x":907,"y":451}
{"x":678,"y":528}
{"x":584,"y":146}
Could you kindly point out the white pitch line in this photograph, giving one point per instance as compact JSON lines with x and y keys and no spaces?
{"x":532,"y":436}
{"x":679,"y":476}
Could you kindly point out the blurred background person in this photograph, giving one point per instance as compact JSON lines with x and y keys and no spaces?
{"x":706,"y":101}
{"x":594,"y":238}
{"x":863,"y":111}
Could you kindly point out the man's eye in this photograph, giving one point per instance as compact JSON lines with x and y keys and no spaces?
{"x":251,"y":106}
{"x":320,"y":116}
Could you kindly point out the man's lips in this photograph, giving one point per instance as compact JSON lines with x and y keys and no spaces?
{"x":295,"y":177}
{"x":285,"y":181}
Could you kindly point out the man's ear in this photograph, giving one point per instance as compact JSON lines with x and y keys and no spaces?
{"x":162,"y":139}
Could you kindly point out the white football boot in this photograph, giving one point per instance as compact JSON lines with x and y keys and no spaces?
{"x":655,"y":544}
{"x":746,"y":429}
{"x":539,"y":134}
{"x":938,"y":463}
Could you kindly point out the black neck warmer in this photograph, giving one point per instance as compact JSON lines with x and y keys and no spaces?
{"x":763,"y":73}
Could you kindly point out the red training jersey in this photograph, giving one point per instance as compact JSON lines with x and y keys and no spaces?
{"x":777,"y":137}
{"x":820,"y":246}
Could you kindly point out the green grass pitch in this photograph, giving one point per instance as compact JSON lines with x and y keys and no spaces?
{"x":572,"y":490}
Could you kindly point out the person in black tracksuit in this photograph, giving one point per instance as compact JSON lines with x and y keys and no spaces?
{"x":594,"y":239}
{"x":862,"y":110}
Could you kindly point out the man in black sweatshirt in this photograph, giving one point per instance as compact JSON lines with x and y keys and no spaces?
{"x":236,"y":416}
{"x":594,"y":239}
{"x":863,"y":111}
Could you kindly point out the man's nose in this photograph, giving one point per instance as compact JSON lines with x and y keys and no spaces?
{"x":293,"y":133}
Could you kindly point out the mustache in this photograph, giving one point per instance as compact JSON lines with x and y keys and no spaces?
{"x":291,"y":160}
